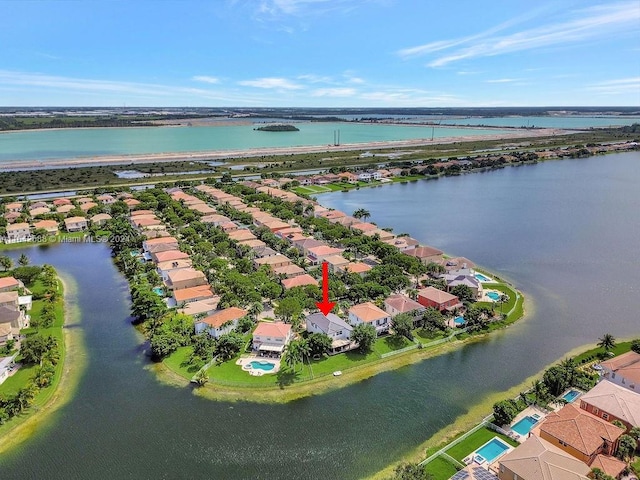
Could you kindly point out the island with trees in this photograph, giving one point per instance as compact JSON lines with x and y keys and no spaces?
{"x":278,"y":128}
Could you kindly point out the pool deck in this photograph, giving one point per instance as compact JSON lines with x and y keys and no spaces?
{"x":530,"y":411}
{"x":471,"y":458}
{"x":255,"y":358}
{"x":486,"y":298}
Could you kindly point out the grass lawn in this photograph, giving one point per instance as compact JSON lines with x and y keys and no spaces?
{"x":390,"y":343}
{"x":474,"y":441}
{"x":636,"y":464}
{"x":177,"y":362}
{"x":620,"y":348}
{"x":425,"y":336}
{"x":440,"y":469}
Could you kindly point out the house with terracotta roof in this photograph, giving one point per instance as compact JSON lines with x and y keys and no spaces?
{"x":318,"y":254}
{"x":164,"y":268}
{"x":51,"y":226}
{"x":131,"y":202}
{"x":215,"y":219}
{"x":623,"y":370}
{"x":18,"y":232}
{"x":144,"y":221}
{"x":168,"y":256}
{"x":335,"y":261}
{"x":185,"y":278}
{"x":160,"y":244}
{"x":193,"y":294}
{"x":106,"y":199}
{"x":220,"y":322}
{"x":100,"y":219}
{"x":273,"y":261}
{"x":303,"y":245}
{"x":137,"y":213}
{"x":433,"y":297}
{"x":65,"y":208}
{"x":348,"y":177}
{"x":228,"y":227}
{"x":398,"y":303}
{"x":298,"y":281}
{"x":331,"y":214}
{"x":370,"y":314}
{"x":612,"y":402}
{"x":12,"y":216}
{"x":363,"y":227}
{"x":34,"y":212}
{"x":288,"y":271}
{"x":579,"y":433}
{"x":345,"y":221}
{"x":75,"y":224}
{"x":360,"y":268}
{"x":199,"y":307}
{"x":611,"y":466}
{"x":8,"y":284}
{"x":241,"y":235}
{"x":85,"y":207}
{"x":203,"y":208}
{"x":272,"y":337}
{"x":537,"y":459}
{"x":425,"y":254}
{"x":14,"y":207}
{"x":336,"y":328}
{"x":253,"y":243}
{"x":276,"y":225}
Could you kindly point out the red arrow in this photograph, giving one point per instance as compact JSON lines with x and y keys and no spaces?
{"x":325,"y":306}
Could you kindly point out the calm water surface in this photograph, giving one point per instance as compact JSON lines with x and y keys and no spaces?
{"x":565,"y":232}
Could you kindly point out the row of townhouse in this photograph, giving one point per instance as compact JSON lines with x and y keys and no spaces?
{"x":15,"y":302}
{"x":23,"y":232}
{"x":571,"y":441}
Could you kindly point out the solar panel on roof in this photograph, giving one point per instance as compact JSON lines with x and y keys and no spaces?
{"x":461,"y":475}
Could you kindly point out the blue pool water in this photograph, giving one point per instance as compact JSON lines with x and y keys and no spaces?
{"x":458,"y":320}
{"x":571,"y":395}
{"x":482,"y":277}
{"x":492,"y":449}
{"x":493,"y":296}
{"x":158,"y":291}
{"x":525,"y":425}
{"x":266,"y":366}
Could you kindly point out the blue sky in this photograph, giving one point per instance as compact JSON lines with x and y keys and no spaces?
{"x":324,"y":53}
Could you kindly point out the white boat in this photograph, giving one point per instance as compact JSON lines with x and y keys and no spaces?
{"x":337,"y":373}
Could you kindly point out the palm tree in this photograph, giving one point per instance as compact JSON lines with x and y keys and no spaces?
{"x":255,"y":309}
{"x":570,"y":369}
{"x":295,"y":353}
{"x":503,"y":298}
{"x":6,"y":263}
{"x":23,"y":260}
{"x":539,"y":391}
{"x":361,"y":214}
{"x":607,"y":342}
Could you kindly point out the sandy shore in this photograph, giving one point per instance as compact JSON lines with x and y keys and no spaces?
{"x":221,"y":155}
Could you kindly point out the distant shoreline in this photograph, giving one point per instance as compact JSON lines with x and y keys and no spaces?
{"x":217,"y":155}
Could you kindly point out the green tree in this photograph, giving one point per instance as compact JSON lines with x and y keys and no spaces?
{"x":295,"y":352}
{"x":635,"y":345}
{"x":319,"y":343}
{"x":5,"y":262}
{"x":555,"y":379}
{"x":607,"y":342}
{"x":228,"y":345}
{"x":34,"y":347}
{"x":433,"y":320}
{"x":364,"y":335}
{"x":361,"y":214}
{"x":410,"y":471}
{"x":505,"y":411}
{"x":288,"y":309}
{"x":23,"y":260}
{"x":463,"y":292}
{"x":626,"y":447}
{"x":598,"y":474}
{"x":402,"y":325}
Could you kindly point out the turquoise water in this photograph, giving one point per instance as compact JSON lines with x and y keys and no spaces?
{"x":158,"y":291}
{"x":546,"y":122}
{"x":493,"y":296}
{"x":571,"y":395}
{"x":492,"y":449}
{"x":458,"y":320}
{"x":482,"y":278}
{"x":72,"y":143}
{"x":266,"y":366}
{"x":525,"y":425}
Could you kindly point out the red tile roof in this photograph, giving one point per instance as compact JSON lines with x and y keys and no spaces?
{"x":275,"y":329}
{"x":221,"y":317}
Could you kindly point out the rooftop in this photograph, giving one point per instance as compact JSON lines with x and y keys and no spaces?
{"x":299,"y":281}
{"x":275,"y":329}
{"x":221,"y":317}
{"x":368,"y":312}
{"x":626,"y":365}
{"x":402,"y":303}
{"x":615,"y":400}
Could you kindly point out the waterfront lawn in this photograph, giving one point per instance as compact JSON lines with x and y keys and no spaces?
{"x":390,"y":343}
{"x":475,"y":441}
{"x":178,"y":362}
{"x":425,"y":336}
{"x":440,"y":469}
{"x":18,"y":380}
{"x":594,"y":353}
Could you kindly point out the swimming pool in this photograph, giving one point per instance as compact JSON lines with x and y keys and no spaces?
{"x":495,"y":296}
{"x":158,"y":291}
{"x":266,"y":366}
{"x":571,"y":395}
{"x":459,"y":320}
{"x":481,"y":277}
{"x":524,"y":425}
{"x":491,"y":450}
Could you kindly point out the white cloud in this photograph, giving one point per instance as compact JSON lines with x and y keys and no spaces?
{"x":620,"y":86}
{"x":271,"y":82}
{"x":205,"y":79}
{"x":302,"y":8}
{"x":503,"y":80}
{"x":585,"y":24}
{"x":334,"y":92}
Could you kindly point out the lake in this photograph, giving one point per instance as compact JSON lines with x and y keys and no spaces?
{"x":565,"y":232}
